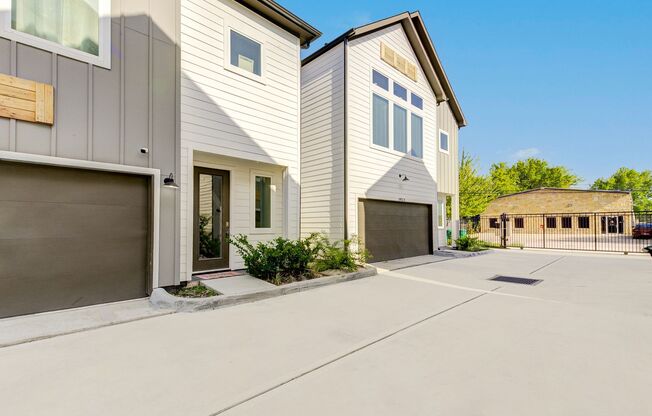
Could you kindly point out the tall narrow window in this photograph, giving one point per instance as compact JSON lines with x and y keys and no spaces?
{"x":443,"y":141}
{"x":417,"y":136}
{"x":245,"y":53}
{"x":263,"y":202}
{"x":380,"y":121}
{"x":400,"y":129}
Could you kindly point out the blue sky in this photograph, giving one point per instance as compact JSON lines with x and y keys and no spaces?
{"x":567,"y":81}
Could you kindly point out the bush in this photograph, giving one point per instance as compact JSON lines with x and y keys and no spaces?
{"x":345,"y":255}
{"x":469,"y":244}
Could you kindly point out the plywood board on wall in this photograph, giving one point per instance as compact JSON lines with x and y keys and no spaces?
{"x":26,"y":100}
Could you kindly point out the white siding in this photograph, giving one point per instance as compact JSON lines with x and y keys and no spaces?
{"x":447,"y":163}
{"x":322,"y":145}
{"x":375,"y":173}
{"x":225,"y":113}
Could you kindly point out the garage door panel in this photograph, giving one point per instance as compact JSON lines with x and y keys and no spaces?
{"x":58,"y":255}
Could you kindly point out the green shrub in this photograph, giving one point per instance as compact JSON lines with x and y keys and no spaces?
{"x":469,"y":244}
{"x":344,"y":255}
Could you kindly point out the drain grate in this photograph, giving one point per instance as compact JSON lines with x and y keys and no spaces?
{"x":516,"y":280}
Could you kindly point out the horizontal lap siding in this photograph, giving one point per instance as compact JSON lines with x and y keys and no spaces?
{"x":322,"y":145}
{"x":447,"y":164}
{"x":374,"y":173}
{"x":227,"y":114}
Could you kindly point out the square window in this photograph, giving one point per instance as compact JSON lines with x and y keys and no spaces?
{"x":551,"y":222}
{"x":380,"y":80}
{"x":519,"y":223}
{"x":417,"y":136}
{"x":443,"y":141}
{"x":246,"y":53}
{"x":493,"y":223}
{"x":417,"y":101}
{"x":400,"y":129}
{"x":380,"y":121}
{"x":583,"y":222}
{"x":263,"y":202}
{"x":566,"y":222}
{"x":400,"y":92}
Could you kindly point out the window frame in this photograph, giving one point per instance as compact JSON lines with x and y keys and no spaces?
{"x":394,"y":100}
{"x":519,"y":223}
{"x":494,"y":223}
{"x":566,"y":220}
{"x":252,"y":210}
{"x":552,"y":220}
{"x":447,"y":151}
{"x":584,"y":220}
{"x":228,"y":28}
{"x":103,"y":59}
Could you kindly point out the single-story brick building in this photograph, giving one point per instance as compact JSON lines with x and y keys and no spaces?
{"x":572,"y":210}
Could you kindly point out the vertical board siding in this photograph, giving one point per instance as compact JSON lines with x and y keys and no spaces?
{"x":227,"y":114}
{"x":97,"y":108}
{"x":447,"y":164}
{"x":322,"y":145}
{"x":374,"y":173}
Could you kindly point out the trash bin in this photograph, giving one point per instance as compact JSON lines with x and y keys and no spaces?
{"x":463,"y":233}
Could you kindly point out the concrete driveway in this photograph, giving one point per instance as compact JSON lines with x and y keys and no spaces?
{"x":434,"y":339}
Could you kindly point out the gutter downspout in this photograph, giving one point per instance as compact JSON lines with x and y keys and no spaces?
{"x":345,"y":139}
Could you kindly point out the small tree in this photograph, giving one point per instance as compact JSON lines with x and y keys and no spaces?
{"x":626,"y":179}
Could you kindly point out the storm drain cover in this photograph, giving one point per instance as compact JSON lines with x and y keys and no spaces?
{"x":516,"y":280}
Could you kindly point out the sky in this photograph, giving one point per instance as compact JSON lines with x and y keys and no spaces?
{"x":566,"y":81}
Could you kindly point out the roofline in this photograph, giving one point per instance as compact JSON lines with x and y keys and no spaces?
{"x":606,"y":191}
{"x":418,"y":36}
{"x":282,"y":17}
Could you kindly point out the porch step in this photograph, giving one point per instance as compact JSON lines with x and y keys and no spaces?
{"x":237,"y":285}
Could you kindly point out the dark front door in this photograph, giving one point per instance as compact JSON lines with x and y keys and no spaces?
{"x":211,"y":211}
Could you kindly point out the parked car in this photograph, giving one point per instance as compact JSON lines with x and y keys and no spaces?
{"x":642,"y":230}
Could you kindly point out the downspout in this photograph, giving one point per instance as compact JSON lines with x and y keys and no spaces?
{"x":345,"y":139}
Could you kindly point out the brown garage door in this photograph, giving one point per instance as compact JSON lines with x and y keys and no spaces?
{"x":395,"y":230}
{"x":70,"y":238}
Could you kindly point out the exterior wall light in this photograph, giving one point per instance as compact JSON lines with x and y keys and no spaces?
{"x":170,"y":183}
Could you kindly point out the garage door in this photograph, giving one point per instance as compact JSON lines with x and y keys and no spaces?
{"x":71,"y":238}
{"x":394,"y":230}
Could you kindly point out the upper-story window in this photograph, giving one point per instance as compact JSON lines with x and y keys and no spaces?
{"x":246,"y":53}
{"x":417,"y":101}
{"x":443,"y":141}
{"x":400,"y":131}
{"x":79,"y":29}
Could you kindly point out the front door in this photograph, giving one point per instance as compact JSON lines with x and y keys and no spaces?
{"x":211,"y":212}
{"x":613,"y":225}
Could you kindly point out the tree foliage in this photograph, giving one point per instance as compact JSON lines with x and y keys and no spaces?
{"x":626,"y":179}
{"x":475,"y":189}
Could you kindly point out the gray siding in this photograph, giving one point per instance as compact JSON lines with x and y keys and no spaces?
{"x":108,"y":115}
{"x":322,"y":145}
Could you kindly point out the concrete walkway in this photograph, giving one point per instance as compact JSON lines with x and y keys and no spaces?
{"x":238,"y":285}
{"x":434,"y":339}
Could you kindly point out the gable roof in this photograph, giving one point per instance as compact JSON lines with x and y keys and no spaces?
{"x":566,"y":190}
{"x":282,"y":17}
{"x":419,"y":39}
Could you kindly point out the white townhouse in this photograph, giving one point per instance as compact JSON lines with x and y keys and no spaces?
{"x":379,"y":132}
{"x":240,"y":113}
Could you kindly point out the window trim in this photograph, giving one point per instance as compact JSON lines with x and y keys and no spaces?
{"x":449,"y":142}
{"x":393,"y":100}
{"x":252,"y":209}
{"x":228,"y":28}
{"x":102,"y":60}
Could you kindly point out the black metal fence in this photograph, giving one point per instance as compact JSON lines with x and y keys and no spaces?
{"x":626,"y":232}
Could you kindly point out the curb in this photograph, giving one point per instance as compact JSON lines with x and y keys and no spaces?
{"x":161,"y":299}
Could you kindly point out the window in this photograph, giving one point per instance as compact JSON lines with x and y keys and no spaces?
{"x":417,"y":101}
{"x":380,"y":80}
{"x":443,"y":141}
{"x":400,"y":129}
{"x":246,"y":53}
{"x":381,"y":121}
{"x":263,"y":202}
{"x":519,"y":223}
{"x":400,"y":92}
{"x":551,"y":222}
{"x":566,"y":222}
{"x":583,"y":222}
{"x":417,"y":136}
{"x":80,"y":29}
{"x":493,"y":223}
{"x":441,"y":214}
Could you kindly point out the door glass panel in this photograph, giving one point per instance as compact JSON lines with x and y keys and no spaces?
{"x":210,"y":216}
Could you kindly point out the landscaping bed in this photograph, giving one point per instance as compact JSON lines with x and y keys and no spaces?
{"x":192,"y":290}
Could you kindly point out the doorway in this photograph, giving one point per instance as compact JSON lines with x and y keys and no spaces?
{"x":613,"y":224}
{"x":211,"y":220}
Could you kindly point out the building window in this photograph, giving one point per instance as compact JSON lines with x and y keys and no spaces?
{"x":583,"y":222}
{"x":493,"y":223}
{"x":380,"y":80}
{"x":566,"y":222}
{"x":263,"y":202}
{"x":417,"y":136}
{"x":400,"y":129}
{"x":400,"y":92}
{"x":380,"y":121}
{"x":417,"y":101}
{"x":519,"y":223}
{"x":443,"y":141}
{"x":441,"y":214}
{"x":551,"y":222}
{"x":246,"y":53}
{"x":80,"y":29}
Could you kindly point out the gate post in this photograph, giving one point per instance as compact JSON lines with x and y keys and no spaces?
{"x":544,"y":230}
{"x":503,"y":230}
{"x":595,"y":230}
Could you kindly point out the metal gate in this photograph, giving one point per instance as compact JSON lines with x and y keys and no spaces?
{"x":626,"y":232}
